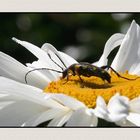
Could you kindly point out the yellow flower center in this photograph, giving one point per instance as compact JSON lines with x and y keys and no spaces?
{"x":92,"y":87}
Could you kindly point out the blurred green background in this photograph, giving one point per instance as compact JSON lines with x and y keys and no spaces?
{"x":81,"y":35}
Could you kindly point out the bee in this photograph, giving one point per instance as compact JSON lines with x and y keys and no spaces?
{"x":81,"y":69}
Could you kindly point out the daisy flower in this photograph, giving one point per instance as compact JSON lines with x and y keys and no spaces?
{"x":29,"y":98}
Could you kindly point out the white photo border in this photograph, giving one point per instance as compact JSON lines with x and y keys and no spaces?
{"x":69,"y":6}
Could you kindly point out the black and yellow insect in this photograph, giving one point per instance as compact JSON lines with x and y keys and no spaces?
{"x":88,"y":70}
{"x":82,"y":69}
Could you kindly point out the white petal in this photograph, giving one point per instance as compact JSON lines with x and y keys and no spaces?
{"x":48,"y":48}
{"x":135,"y":68}
{"x":128,"y":55}
{"x":135,"y":105}
{"x":125,"y":123}
{"x":17,"y":113}
{"x":13,"y":69}
{"x":67,"y":101}
{"x":60,"y":120}
{"x":113,"y":42}
{"x":118,"y":107}
{"x":37,"y":79}
{"x":22,"y":102}
{"x":101,"y":108}
{"x":43,"y":117}
{"x":26,"y":92}
{"x":40,"y":54}
{"x":134,"y":118}
{"x":68,"y":60}
{"x":118,"y":104}
{"x":3,"y":104}
{"x":51,"y":76}
{"x":82,"y":117}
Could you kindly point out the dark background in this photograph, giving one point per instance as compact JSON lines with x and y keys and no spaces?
{"x":81,"y":35}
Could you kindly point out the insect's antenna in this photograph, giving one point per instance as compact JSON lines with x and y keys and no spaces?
{"x":40,"y":69}
{"x":104,"y":67}
{"x":55,"y":62}
{"x":59,"y":59}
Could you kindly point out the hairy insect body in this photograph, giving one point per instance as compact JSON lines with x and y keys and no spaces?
{"x":91,"y":70}
{"x":86,"y":70}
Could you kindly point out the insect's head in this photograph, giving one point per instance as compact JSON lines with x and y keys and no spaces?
{"x":64,"y":73}
{"x":69,"y":71}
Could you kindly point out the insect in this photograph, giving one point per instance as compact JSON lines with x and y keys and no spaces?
{"x":81,"y":69}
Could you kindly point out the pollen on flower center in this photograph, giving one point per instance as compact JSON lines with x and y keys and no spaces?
{"x":92,"y":87}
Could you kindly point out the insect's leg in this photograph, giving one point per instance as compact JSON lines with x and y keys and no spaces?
{"x":104,"y":67}
{"x":81,"y":79}
{"x":76,"y":73}
{"x":66,"y":80}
